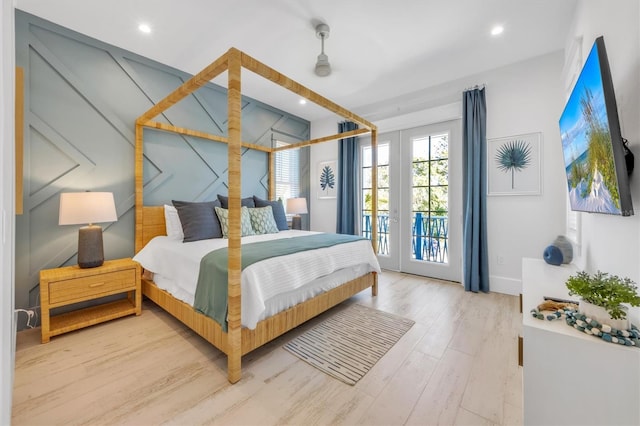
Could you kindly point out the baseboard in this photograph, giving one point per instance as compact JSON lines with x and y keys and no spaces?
{"x":505,"y":285}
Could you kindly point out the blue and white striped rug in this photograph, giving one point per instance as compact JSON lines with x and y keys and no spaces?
{"x":349,"y":343}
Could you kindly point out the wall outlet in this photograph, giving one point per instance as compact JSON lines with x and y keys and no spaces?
{"x":500,"y":259}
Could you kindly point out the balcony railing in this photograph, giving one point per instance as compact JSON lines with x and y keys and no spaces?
{"x":429,"y":239}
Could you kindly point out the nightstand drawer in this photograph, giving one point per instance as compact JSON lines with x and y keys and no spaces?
{"x":85,"y":288}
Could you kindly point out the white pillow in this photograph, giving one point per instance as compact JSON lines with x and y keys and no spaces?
{"x":172,"y":222}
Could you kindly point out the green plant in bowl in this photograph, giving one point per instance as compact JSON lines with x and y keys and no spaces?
{"x":606,"y":291}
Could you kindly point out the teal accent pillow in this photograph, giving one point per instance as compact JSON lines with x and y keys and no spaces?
{"x":278,"y":211}
{"x":262,"y":220}
{"x":245,"y":221}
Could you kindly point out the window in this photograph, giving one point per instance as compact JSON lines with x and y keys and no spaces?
{"x":287,"y":172}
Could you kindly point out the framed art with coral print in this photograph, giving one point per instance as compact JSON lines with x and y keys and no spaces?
{"x":327,"y":179}
{"x":514,"y":165}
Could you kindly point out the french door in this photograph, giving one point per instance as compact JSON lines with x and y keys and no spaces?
{"x":419,"y":200}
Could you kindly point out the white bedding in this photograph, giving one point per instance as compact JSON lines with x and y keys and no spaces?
{"x":269,"y":286}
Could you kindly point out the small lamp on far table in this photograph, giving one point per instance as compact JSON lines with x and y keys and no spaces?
{"x":297,"y":206}
{"x":80,"y":208}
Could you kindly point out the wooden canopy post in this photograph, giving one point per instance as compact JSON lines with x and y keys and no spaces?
{"x":234,"y":126}
{"x":139,"y":185}
{"x":342,"y":135}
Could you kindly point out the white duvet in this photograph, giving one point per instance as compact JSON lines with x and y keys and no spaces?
{"x":269,"y":286}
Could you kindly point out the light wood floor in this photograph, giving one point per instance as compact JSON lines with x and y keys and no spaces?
{"x":456,"y":365}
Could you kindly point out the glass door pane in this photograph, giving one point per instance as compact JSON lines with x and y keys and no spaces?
{"x":384,"y":248}
{"x":430,"y":198}
{"x":431,"y":201}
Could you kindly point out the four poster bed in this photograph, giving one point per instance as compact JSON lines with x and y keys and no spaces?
{"x":237,"y":340}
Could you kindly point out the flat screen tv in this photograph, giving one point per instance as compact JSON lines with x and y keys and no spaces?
{"x":593,"y":147}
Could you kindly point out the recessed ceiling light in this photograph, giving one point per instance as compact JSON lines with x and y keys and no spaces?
{"x":302,"y":101}
{"x":144,"y":28}
{"x":497,"y":30}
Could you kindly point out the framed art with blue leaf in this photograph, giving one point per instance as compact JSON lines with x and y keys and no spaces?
{"x":327,"y":179}
{"x":514,"y":165}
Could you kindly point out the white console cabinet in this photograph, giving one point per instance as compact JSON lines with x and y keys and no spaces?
{"x":571,"y":378}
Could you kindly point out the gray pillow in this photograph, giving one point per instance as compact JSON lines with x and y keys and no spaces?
{"x":245,"y":202}
{"x":278,"y":211}
{"x":199,"y":220}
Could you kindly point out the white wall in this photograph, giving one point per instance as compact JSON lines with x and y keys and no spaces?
{"x":7,"y":327}
{"x":522,"y":98}
{"x":611,"y":243}
{"x":526,"y":98}
{"x":322,"y":212}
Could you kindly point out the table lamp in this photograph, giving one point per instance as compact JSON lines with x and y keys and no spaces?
{"x":296,"y":206}
{"x":80,"y":208}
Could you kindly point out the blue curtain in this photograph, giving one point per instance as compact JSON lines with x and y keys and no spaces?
{"x":348,"y":166}
{"x":476,"y":262}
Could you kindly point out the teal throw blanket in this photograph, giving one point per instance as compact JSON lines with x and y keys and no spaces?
{"x":211,"y":290}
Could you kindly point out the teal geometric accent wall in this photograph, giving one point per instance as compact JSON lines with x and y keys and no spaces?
{"x":82,"y":97}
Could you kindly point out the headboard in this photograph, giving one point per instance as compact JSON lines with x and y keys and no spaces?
{"x":153,"y":224}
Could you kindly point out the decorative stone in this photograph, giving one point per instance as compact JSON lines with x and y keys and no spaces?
{"x":590,"y":326}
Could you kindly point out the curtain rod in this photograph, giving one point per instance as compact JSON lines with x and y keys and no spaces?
{"x":477,"y":86}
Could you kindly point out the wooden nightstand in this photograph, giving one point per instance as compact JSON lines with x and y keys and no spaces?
{"x":72,"y":284}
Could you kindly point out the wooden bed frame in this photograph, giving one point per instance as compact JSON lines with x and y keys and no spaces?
{"x":150,"y":222}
